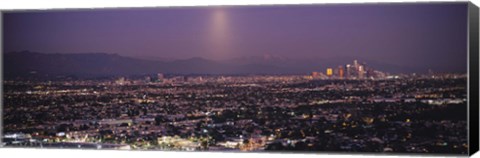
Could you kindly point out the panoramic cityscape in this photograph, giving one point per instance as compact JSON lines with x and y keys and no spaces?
{"x":351,"y":78}
{"x":349,"y":108}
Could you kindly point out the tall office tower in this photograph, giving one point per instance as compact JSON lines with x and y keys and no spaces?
{"x":356,"y":65}
{"x":335,"y":72}
{"x":361,"y":72}
{"x":365,"y":69}
{"x":348,"y":71}
{"x":341,"y":72}
{"x":315,"y":74}
{"x":329,"y":72}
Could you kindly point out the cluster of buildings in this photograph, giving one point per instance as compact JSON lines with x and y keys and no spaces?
{"x":198,"y":79}
{"x":350,"y":71}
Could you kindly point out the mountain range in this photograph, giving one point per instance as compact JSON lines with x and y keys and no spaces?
{"x":89,"y":65}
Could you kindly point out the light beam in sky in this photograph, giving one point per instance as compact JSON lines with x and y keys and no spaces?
{"x":220,"y":44}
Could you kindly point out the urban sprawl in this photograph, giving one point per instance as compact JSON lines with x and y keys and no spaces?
{"x":348,"y":108}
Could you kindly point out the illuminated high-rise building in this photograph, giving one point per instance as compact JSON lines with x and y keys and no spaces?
{"x":348,"y":71}
{"x":356,"y":65}
{"x":315,"y":74}
{"x":361,"y":71}
{"x":340,"y":72}
{"x":329,"y":72}
{"x":335,"y":72}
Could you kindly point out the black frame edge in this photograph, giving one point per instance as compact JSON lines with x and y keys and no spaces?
{"x":1,"y":76}
{"x":473,"y":76}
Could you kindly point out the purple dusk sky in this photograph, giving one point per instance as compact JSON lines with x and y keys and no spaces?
{"x":432,"y":34}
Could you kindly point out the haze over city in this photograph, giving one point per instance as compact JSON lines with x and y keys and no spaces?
{"x":402,"y":35}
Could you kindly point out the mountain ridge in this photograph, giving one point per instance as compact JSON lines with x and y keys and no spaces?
{"x":98,"y":64}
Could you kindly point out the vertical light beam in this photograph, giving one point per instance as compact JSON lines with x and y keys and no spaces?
{"x":220,"y":42}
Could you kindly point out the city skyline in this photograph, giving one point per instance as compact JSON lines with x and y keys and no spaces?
{"x":94,"y":65}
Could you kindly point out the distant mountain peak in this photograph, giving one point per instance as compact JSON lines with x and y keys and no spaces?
{"x":88,"y":65}
{"x":20,"y":64}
